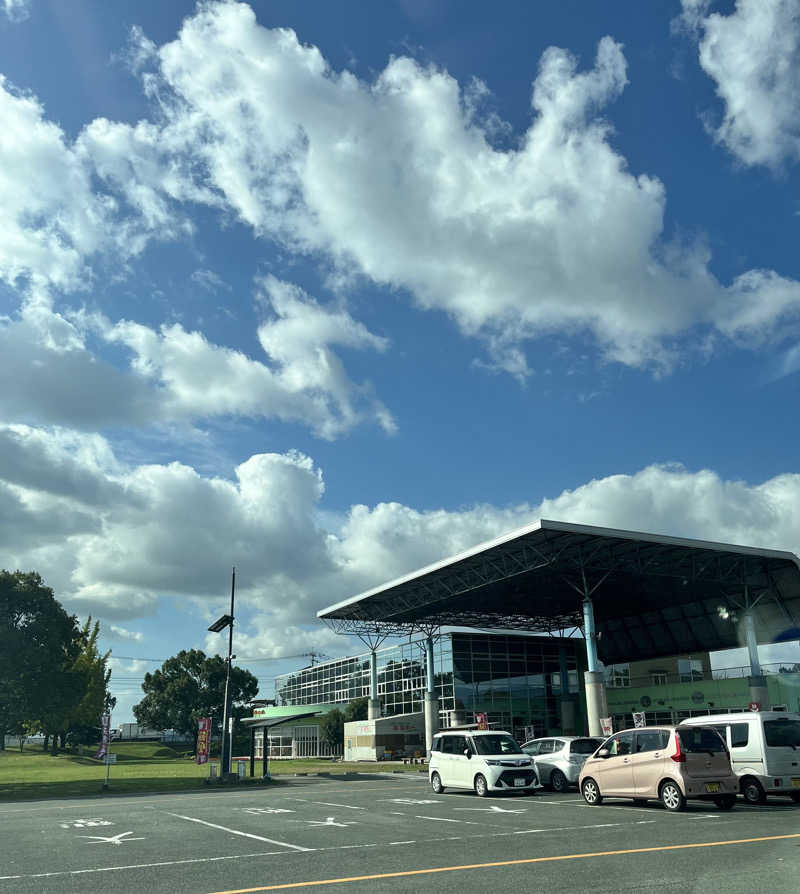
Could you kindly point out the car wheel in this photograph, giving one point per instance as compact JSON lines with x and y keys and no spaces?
{"x":753,"y":791}
{"x":558,"y":781}
{"x":436,"y":784}
{"x":481,"y":786}
{"x":726,"y":802}
{"x":671,"y":796}
{"x":591,"y":793}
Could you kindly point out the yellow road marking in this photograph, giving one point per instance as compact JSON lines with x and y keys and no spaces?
{"x":635,"y":850}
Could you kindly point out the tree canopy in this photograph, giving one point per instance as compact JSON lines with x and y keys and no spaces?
{"x":188,"y":686}
{"x":52,"y":677}
{"x":331,"y":729}
{"x":331,"y":725}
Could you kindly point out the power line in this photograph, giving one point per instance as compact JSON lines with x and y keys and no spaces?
{"x":311,"y":655}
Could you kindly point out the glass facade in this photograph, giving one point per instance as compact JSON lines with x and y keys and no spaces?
{"x":516,"y":680}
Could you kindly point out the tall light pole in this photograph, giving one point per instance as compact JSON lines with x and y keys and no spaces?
{"x":227,"y":736}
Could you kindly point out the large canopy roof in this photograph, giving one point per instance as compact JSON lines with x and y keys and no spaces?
{"x":652,"y":595}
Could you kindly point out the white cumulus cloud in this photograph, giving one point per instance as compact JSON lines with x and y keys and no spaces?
{"x":17,"y":10}
{"x":400,"y":180}
{"x":753,"y":57}
{"x":124,"y":633}
{"x":113,"y":539}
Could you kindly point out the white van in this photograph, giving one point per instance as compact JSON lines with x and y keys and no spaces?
{"x":764,"y":748}
{"x":485,"y":761}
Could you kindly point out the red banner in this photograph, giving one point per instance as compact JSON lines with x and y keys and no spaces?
{"x":203,"y":739}
{"x":105,"y":736}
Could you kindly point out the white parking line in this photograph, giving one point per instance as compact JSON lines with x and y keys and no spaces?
{"x":328,"y":804}
{"x":192,"y":819}
{"x":4,"y":878}
{"x":579,"y":828}
{"x":137,"y":866}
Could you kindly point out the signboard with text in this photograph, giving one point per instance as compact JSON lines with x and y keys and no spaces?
{"x":639,"y":719}
{"x":203,"y":739}
{"x":482,"y":720}
{"x":606,"y":725}
{"x":755,"y":706}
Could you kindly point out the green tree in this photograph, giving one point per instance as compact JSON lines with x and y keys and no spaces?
{"x":188,"y":686}
{"x":83,"y":723}
{"x":357,"y":709}
{"x":39,"y":642}
{"x":331,"y":729}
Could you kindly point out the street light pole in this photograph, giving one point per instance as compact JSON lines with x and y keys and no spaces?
{"x":226,"y":746}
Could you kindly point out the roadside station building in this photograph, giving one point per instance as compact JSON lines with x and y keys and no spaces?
{"x":525,"y":684}
{"x":631,"y":596}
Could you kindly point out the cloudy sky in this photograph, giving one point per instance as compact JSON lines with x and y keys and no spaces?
{"x":331,"y":291}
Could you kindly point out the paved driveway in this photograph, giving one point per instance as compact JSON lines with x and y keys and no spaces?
{"x":375,"y":833}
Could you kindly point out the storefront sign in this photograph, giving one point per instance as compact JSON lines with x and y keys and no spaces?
{"x":606,"y":725}
{"x":105,"y":736}
{"x":203,"y":739}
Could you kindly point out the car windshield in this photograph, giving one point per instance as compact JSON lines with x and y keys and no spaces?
{"x":782,"y":732}
{"x":696,"y":739}
{"x":585,"y":746}
{"x":496,"y":745}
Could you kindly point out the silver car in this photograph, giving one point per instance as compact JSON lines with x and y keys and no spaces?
{"x":559,"y":759}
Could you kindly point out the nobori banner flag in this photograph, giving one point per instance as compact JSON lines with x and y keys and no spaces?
{"x":105,"y":736}
{"x":203,"y":739}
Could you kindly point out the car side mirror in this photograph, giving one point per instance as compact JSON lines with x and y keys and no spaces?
{"x":603,"y":752}
{"x":467,"y":753}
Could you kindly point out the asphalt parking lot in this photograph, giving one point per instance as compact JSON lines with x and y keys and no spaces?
{"x":392,"y":834}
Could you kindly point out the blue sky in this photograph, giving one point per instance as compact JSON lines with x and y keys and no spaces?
{"x":331,"y":291}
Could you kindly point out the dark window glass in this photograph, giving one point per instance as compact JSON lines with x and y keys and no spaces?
{"x":459,"y":744}
{"x":651,"y":740}
{"x":739,"y":734}
{"x":779,"y":733}
{"x":696,"y":739}
{"x":621,"y":744}
{"x":585,"y":746}
{"x":436,"y":745}
{"x":532,"y":748}
{"x":496,"y":745}
{"x":546,"y":747}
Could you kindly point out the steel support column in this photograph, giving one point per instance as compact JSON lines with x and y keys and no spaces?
{"x":759,"y":693}
{"x":374,"y":706}
{"x":596,"y":704}
{"x":431,"y":702}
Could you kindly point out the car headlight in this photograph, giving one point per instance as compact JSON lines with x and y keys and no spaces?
{"x":494,"y":763}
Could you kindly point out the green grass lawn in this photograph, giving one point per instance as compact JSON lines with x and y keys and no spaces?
{"x":140,"y":767}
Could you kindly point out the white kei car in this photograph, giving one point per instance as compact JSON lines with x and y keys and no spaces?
{"x":485,"y":761}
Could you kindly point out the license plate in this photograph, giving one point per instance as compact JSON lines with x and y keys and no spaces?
{"x":519,"y":780}
{"x":795,"y":781}
{"x":712,"y":786}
